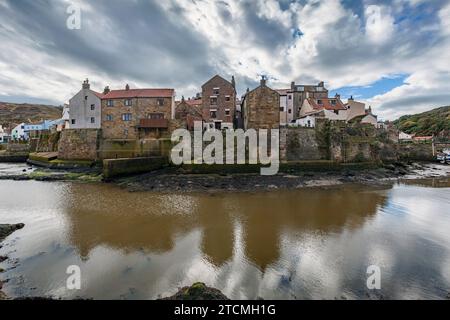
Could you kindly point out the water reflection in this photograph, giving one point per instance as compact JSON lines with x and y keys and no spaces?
{"x":306,"y":244}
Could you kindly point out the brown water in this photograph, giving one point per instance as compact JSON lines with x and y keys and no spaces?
{"x":306,"y":244}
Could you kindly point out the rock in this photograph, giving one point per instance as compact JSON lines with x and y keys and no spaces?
{"x":198,"y":291}
{"x":7,"y":229}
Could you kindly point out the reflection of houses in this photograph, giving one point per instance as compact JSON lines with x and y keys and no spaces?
{"x":261,"y":108}
{"x":137,"y":113}
{"x":155,"y":223}
{"x":219,"y":103}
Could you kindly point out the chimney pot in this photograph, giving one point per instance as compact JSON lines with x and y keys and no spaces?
{"x":263,"y":81}
{"x":86,"y":84}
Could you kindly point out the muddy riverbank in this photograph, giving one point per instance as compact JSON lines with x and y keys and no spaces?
{"x":168,"y":181}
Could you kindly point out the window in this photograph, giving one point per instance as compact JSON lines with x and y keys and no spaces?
{"x":227,"y":112}
{"x":227,"y":98}
{"x":309,"y":123}
{"x":160,"y":102}
{"x":109,"y":117}
{"x":92,"y":106}
{"x":213,"y":114}
{"x":216,"y":91}
{"x":125,"y":132}
{"x":290,"y":97}
{"x":290,"y":111}
{"x":92,"y":120}
{"x":155,"y":116}
{"x":333,"y":102}
{"x":213,"y":100}
{"x":128,"y":102}
{"x":281,"y":109}
{"x":126,"y":117}
{"x":73,"y":121}
{"x":110,"y":103}
{"x":85,"y":97}
{"x":319,"y":102}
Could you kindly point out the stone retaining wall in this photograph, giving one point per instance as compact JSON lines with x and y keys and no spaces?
{"x":79,"y":144}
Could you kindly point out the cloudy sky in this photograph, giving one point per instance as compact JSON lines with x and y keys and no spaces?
{"x":394,"y":55}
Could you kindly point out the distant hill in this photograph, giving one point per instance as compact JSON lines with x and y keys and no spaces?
{"x":13,"y":113}
{"x":435,"y":122}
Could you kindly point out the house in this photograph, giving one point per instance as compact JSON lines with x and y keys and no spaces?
{"x":85,"y":108}
{"x":19,"y":133}
{"x":66,"y":116}
{"x":286,"y":106}
{"x":219,"y":103}
{"x":402,"y":136}
{"x":137,"y":113}
{"x":299,"y":92}
{"x":330,"y":108}
{"x":4,"y":135}
{"x":369,"y":118}
{"x":355,"y":109}
{"x":261,"y":108}
{"x":308,"y":121}
{"x":189,"y":111}
{"x":423,"y":139}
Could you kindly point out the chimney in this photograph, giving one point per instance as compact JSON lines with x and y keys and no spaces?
{"x":338,"y":96}
{"x":263,"y":81}
{"x":233,"y":82}
{"x":321,"y":84}
{"x":351,"y":98}
{"x":127,"y":87}
{"x":86,"y":84}
{"x":293,"y":85}
{"x":106,"y":90}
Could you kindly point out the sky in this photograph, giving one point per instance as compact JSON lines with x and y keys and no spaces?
{"x":392,"y":55}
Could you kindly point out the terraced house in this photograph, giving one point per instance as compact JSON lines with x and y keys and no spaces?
{"x":219,"y":103}
{"x":137,"y":113}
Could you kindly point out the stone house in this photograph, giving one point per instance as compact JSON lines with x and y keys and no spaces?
{"x":331,"y":108}
{"x":286,"y":106}
{"x":131,"y":114}
{"x":218,"y":103}
{"x":261,"y":108}
{"x":189,"y":111}
{"x":85,"y":108}
{"x":300,"y":92}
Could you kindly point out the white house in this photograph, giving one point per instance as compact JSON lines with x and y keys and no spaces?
{"x":4,"y":136}
{"x":19,"y":133}
{"x":405,"y":136}
{"x":85,"y":109}
{"x":307,"y":121}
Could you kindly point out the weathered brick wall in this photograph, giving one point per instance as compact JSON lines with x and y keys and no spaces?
{"x":140,"y":109}
{"x":226,"y":89}
{"x":79,"y":144}
{"x":262,"y":109}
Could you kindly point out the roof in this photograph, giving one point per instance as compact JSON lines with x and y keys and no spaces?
{"x":326,"y":104}
{"x":219,"y":77}
{"x":194,"y":102}
{"x":98,"y":94}
{"x":283,"y":92}
{"x":139,"y":93}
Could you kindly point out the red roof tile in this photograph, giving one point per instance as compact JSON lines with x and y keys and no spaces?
{"x":140,"y":93}
{"x":326,"y":104}
{"x":98,"y":94}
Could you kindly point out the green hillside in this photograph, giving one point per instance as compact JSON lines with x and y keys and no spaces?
{"x":435,"y":122}
{"x":12,"y":113}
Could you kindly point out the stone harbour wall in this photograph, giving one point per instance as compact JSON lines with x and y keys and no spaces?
{"x":79,"y":144}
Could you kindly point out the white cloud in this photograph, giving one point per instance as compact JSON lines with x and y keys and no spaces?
{"x":379,"y":24}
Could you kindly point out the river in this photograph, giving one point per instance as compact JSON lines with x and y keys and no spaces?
{"x":313,"y":243}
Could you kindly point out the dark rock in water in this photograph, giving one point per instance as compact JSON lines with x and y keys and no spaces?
{"x":198,"y":291}
{"x":7,"y":229}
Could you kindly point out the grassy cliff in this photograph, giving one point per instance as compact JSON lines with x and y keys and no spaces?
{"x":435,"y":122}
{"x":13,"y":113}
